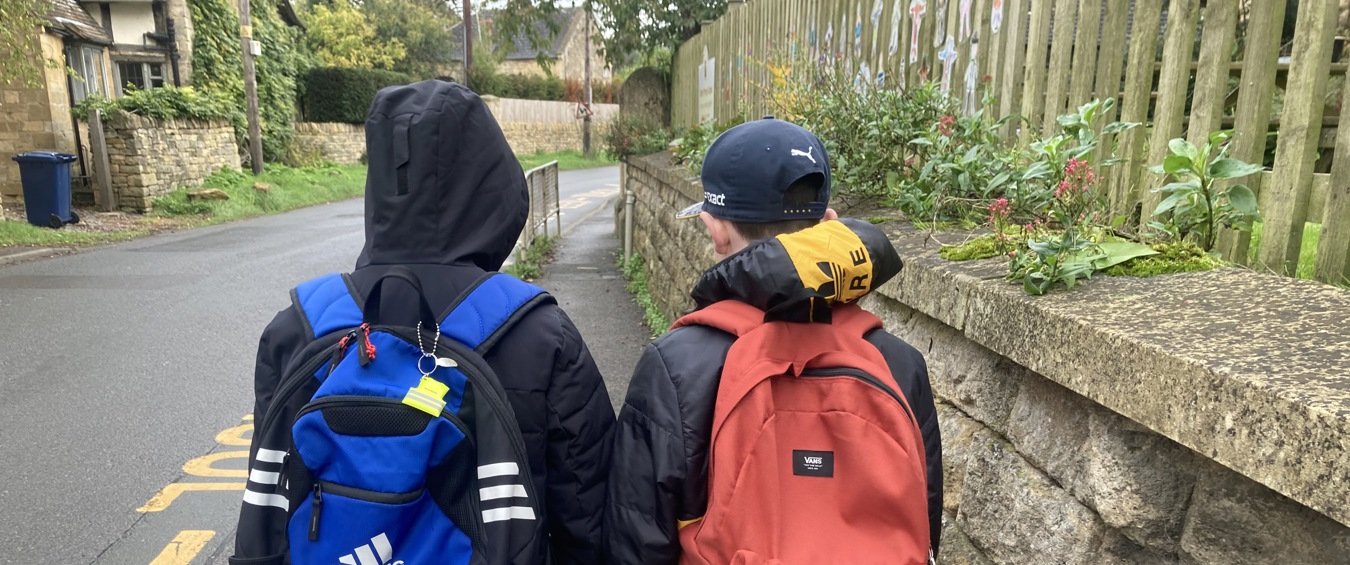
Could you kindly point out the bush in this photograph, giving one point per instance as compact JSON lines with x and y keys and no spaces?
{"x":630,"y":135}
{"x":344,"y":95}
{"x":165,"y":103}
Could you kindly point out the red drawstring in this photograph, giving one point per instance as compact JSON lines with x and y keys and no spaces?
{"x":370,"y":347}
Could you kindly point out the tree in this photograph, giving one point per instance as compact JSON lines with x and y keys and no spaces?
{"x":639,"y":28}
{"x":422,"y":26}
{"x":18,"y":41}
{"x":341,"y":36}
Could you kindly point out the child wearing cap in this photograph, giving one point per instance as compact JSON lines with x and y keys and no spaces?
{"x":782,"y":250}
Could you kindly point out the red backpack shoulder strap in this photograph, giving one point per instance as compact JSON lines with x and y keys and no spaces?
{"x":731,"y":316}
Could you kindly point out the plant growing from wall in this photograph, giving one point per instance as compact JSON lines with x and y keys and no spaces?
{"x":168,"y":102}
{"x":690,"y":149}
{"x":1197,"y":203}
{"x":216,"y":65}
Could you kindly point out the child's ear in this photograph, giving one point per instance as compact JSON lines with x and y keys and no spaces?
{"x":719,"y":231}
{"x":830,"y":214}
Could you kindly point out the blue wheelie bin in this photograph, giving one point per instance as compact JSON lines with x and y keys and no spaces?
{"x":46,"y":188}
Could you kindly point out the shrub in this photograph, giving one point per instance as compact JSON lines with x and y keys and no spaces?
{"x":165,"y":103}
{"x":630,"y":135}
{"x":344,"y":95}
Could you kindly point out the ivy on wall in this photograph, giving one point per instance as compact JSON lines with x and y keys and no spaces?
{"x":217,"y":64}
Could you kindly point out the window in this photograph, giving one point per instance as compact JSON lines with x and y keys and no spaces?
{"x":88,"y":64}
{"x":142,"y":76}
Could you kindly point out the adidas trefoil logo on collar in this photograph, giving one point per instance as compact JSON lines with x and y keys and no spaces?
{"x":377,"y":552}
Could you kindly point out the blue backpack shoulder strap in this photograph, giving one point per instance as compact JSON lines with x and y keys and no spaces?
{"x":483,"y":315}
{"x":327,"y":305}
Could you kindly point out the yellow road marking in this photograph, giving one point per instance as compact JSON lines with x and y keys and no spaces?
{"x":235,"y":436}
{"x":168,"y":494}
{"x":248,"y":417}
{"x":184,"y":547}
{"x":201,"y":466}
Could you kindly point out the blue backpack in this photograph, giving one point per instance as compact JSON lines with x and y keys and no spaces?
{"x":388,"y":445}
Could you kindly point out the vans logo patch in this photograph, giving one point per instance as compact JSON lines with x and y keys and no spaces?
{"x":813,"y":463}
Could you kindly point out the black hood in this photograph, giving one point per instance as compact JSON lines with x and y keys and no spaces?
{"x":797,"y":277}
{"x":443,"y":186}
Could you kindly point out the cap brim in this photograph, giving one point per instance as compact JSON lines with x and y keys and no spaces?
{"x":690,"y":212}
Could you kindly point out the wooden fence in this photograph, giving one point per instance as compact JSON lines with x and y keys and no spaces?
{"x":1184,"y":68}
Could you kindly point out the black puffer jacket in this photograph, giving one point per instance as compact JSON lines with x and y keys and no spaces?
{"x":446,"y":197}
{"x":661,"y":444}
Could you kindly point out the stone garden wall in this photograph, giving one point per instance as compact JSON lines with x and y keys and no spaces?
{"x":1198,"y":418}
{"x":339,"y":143}
{"x":150,"y":157}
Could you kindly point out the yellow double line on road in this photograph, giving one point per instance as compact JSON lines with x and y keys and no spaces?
{"x":188,"y":543}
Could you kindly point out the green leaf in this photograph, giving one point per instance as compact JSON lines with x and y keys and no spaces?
{"x":1174,"y":164}
{"x":1117,"y":252}
{"x":1232,"y":168}
{"x":1220,"y":136}
{"x":921,"y":141}
{"x":1169,"y":203}
{"x":1118,"y":127}
{"x":1031,"y":287}
{"x":1242,"y":199}
{"x":1184,"y":148}
{"x":1190,"y":185}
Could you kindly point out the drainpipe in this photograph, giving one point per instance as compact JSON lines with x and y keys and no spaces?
{"x":173,"y":49}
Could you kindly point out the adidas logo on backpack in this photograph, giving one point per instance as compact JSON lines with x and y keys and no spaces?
{"x":380,"y":436}
{"x":377,"y":552}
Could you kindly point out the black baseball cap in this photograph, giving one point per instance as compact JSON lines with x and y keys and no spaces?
{"x":749,"y":168}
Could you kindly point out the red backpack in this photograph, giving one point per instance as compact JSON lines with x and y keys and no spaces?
{"x":816,"y":456}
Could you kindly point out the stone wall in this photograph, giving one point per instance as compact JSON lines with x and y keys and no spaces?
{"x":339,"y":143}
{"x":533,"y":126}
{"x":1199,"y":418}
{"x":34,"y":119}
{"x":150,"y":157}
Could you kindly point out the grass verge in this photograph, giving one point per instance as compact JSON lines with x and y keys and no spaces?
{"x":529,"y":265}
{"x":287,"y":189}
{"x":567,"y":160}
{"x":635,"y":272}
{"x":22,"y":234}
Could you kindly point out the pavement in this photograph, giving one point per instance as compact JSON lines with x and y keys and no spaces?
{"x":126,"y":372}
{"x":585,"y":279}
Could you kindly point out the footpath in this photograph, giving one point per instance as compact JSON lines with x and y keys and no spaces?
{"x":585,"y":279}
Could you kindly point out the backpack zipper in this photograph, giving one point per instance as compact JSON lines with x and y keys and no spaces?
{"x":357,"y":400}
{"x":316,"y":503}
{"x":864,"y":377}
{"x":297,"y":378}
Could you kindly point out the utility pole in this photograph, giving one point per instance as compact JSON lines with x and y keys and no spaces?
{"x":586,"y":124}
{"x":468,"y":41}
{"x":250,"y":89}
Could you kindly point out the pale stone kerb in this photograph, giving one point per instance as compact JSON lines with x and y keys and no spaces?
{"x":1245,"y":369}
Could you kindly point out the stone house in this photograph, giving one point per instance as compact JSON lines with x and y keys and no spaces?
{"x":565,"y":50}
{"x":38,"y":117}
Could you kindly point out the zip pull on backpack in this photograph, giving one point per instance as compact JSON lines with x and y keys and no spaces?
{"x":815,"y":454}
{"x":389,"y":445}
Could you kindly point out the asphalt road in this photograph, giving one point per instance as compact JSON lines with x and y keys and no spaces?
{"x":126,"y":377}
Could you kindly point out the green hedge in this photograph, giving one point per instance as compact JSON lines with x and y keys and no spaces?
{"x":344,"y":95}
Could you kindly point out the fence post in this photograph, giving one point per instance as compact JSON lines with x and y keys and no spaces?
{"x":98,"y":146}
{"x":1135,"y":101}
{"x":1038,"y":42}
{"x":557,"y":198}
{"x":1255,"y":96}
{"x":1061,"y":53}
{"x":1333,"y":249}
{"x":1300,"y":129}
{"x":1173,"y":82}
